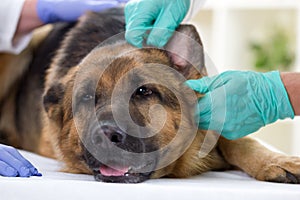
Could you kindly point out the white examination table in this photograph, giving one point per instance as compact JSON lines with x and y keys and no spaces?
{"x":229,"y":185}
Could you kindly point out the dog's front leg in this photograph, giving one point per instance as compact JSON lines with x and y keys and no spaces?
{"x":259,"y":162}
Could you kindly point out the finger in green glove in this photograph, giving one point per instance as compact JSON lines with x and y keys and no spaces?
{"x":250,"y":100}
{"x":162,"y":17}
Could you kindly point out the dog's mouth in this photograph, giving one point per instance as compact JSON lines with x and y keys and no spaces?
{"x":119,"y":171}
{"x":109,"y":171}
{"x":112,"y":155}
{"x":119,"y":175}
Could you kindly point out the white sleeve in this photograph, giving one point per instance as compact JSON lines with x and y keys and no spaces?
{"x":195,"y":6}
{"x":10,"y":11}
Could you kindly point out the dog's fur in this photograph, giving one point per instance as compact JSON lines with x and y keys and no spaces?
{"x":35,"y":102}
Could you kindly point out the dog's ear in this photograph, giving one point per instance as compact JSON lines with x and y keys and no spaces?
{"x":186,"y":52}
{"x":52,"y":101}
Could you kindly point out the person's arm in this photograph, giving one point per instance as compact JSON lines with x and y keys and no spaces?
{"x":21,"y":17}
{"x":291,"y":81}
{"x":194,"y":9}
{"x":10,"y":12}
{"x":238,"y":103}
{"x":29,"y":19}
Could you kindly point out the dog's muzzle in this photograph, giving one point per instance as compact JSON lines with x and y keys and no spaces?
{"x":104,"y":152}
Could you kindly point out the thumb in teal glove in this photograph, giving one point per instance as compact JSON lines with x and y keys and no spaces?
{"x":50,"y":11}
{"x":238,"y":103}
{"x":161,"y":17}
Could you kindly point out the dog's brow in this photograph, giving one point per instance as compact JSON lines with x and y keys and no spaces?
{"x":86,"y":86}
{"x":136,"y":79}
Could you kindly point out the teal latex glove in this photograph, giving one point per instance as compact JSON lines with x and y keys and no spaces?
{"x":163,"y":16}
{"x":250,"y":100}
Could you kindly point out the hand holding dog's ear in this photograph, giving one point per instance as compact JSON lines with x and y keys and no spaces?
{"x":162,"y":17}
{"x":50,"y":11}
{"x":239,"y":103}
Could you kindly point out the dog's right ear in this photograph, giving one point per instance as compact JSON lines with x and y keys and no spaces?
{"x":52,"y":101}
{"x":185,"y":50}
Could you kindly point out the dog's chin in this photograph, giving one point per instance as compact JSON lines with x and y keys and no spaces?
{"x":116,"y":170}
{"x":109,"y":175}
{"x":127,"y":178}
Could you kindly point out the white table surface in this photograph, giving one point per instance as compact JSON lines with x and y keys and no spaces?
{"x":53,"y":184}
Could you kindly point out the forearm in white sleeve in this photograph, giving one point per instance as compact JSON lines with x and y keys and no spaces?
{"x":195,"y":6}
{"x":10,"y":11}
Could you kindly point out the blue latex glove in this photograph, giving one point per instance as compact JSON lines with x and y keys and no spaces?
{"x":250,"y":100}
{"x":12,"y":163}
{"x":162,"y":15}
{"x":50,"y":11}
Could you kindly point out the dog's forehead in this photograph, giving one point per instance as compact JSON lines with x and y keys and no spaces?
{"x":124,"y":50}
{"x":115,"y":61}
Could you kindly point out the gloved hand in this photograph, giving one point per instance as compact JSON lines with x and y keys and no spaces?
{"x":162,"y":15}
{"x":12,"y":163}
{"x":250,"y":100}
{"x":50,"y":11}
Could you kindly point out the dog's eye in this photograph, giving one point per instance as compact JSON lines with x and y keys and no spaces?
{"x":87,"y":97}
{"x":143,"y":91}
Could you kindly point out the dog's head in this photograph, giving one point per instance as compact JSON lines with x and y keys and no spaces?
{"x":125,"y":114}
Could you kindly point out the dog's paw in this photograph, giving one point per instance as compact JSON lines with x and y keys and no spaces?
{"x":281,"y":169}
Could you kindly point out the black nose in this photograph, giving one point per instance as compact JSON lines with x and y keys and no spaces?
{"x":114,"y":134}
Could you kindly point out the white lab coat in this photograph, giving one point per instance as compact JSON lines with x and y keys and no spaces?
{"x":10,"y":11}
{"x":194,"y":8}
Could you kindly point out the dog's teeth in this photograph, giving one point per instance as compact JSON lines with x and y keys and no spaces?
{"x":126,"y":174}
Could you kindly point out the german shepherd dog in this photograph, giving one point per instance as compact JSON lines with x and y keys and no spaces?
{"x":120,"y":113}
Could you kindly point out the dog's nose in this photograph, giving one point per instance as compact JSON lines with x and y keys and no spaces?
{"x":114,"y":134}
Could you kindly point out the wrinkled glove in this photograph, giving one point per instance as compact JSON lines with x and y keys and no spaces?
{"x":162,"y":16}
{"x":50,"y":11}
{"x":12,"y":163}
{"x":250,"y":100}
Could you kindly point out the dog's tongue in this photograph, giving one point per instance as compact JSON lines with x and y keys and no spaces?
{"x":107,"y":171}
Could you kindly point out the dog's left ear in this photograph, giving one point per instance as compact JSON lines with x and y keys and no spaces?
{"x":186,"y":52}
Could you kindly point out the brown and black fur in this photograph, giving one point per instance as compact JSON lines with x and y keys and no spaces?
{"x":39,"y":109}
